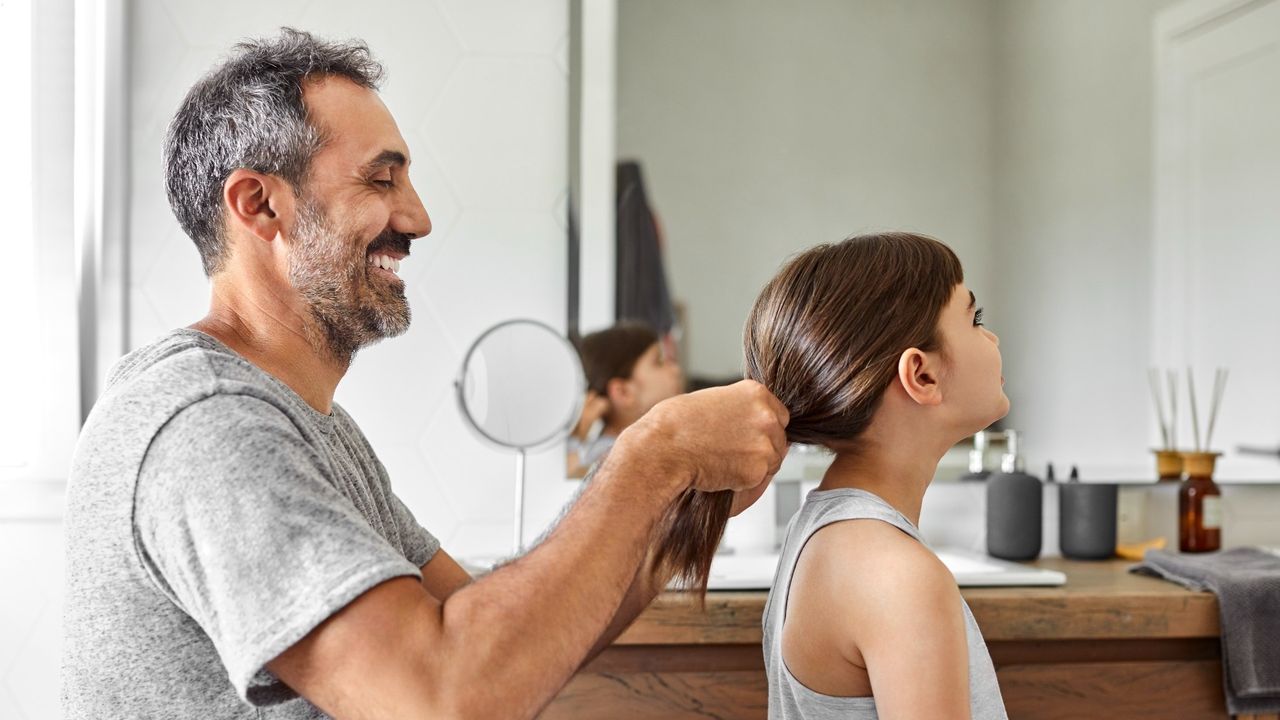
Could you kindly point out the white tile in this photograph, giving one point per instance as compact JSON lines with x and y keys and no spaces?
{"x":394,"y":387}
{"x":228,"y":21}
{"x":497,"y":266}
{"x":561,"y":54}
{"x":145,"y":324}
{"x":8,"y":707}
{"x":499,"y":132}
{"x":156,"y":49}
{"x":478,"y":538}
{"x":416,"y":485}
{"x":36,"y":680}
{"x":411,"y":40}
{"x":175,"y":283}
{"x":478,"y":478}
{"x":31,"y":620}
{"x":509,"y":26}
{"x":548,"y":491}
{"x":181,"y":73}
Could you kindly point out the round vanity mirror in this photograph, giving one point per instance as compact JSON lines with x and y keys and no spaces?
{"x":521,"y":387}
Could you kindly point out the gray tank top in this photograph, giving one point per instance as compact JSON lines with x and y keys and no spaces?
{"x":791,"y":700}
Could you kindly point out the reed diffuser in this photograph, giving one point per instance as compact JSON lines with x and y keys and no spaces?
{"x":1168,"y":459}
{"x":1199,"y":498}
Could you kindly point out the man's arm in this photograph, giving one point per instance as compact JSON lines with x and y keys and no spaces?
{"x":649,"y":582}
{"x":503,"y":645}
{"x":442,"y":576}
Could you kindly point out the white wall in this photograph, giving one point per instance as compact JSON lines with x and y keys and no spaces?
{"x":765,"y":128}
{"x":31,"y":591}
{"x":479,"y":90}
{"x":1072,"y":221}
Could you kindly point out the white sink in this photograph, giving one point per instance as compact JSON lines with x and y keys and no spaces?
{"x":755,"y":572}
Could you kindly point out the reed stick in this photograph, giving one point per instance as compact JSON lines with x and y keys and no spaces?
{"x":1153,"y":380}
{"x":1195,"y":418}
{"x":1219,"y":388}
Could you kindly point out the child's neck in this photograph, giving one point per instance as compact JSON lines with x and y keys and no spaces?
{"x":615,"y":423}
{"x":898,"y":472}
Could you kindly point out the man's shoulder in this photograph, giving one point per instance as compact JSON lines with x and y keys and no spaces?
{"x":180,"y":359}
{"x":155,"y":383}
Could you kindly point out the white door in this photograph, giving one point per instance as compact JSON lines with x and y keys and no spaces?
{"x":1217,"y":225}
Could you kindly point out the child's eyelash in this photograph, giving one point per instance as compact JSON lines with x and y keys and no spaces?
{"x":977,"y":317}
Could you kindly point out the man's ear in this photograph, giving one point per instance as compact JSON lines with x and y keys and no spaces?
{"x":918,"y":375}
{"x":260,"y":204}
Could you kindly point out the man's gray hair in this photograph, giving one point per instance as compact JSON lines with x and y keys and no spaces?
{"x":248,"y":113}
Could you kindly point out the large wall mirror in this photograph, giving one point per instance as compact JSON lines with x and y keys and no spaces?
{"x":1107,"y":173}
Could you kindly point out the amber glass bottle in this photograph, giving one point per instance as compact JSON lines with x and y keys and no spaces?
{"x":1199,"y":505}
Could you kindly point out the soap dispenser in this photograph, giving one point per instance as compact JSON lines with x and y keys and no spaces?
{"x":1014,"y":507}
{"x":978,"y":458}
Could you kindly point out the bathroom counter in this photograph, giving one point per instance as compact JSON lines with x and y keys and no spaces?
{"x":1108,"y":643}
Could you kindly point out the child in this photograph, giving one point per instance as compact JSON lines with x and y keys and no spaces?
{"x":628,"y":373}
{"x":877,"y":349}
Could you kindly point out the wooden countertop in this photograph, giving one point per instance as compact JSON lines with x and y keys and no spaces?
{"x":1101,"y":600}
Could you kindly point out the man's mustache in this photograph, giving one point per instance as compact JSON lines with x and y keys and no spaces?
{"x":390,"y":240}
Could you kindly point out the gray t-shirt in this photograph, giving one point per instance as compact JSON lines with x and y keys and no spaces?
{"x":213,"y":520}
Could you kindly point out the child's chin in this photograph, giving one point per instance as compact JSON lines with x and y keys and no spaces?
{"x":1002,"y":407}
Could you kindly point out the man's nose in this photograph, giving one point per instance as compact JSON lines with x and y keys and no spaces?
{"x":410,"y":216}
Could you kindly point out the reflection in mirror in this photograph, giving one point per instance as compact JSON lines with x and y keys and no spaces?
{"x":629,"y":369}
{"x":520,"y":388}
{"x":1102,"y":171}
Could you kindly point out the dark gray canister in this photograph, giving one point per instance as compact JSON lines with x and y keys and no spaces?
{"x":1014,"y":508}
{"x":1087,"y":520}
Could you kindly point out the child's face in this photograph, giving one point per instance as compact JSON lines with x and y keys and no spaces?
{"x":972,"y":384}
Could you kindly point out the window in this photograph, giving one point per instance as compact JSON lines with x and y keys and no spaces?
{"x":39,"y":366}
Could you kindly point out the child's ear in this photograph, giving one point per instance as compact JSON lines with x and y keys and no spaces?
{"x":918,"y":375}
{"x":619,"y":392}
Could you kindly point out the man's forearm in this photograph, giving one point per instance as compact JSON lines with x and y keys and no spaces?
{"x":529,"y":625}
{"x":646,"y":585}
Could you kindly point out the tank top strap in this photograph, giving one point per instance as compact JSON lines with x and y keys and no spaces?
{"x":828,"y":506}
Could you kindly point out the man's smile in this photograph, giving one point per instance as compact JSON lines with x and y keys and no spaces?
{"x":386,"y":264}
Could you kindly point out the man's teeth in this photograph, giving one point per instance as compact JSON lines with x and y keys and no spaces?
{"x":386,"y":262}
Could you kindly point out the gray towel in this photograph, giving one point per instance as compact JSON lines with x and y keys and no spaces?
{"x":1247,"y":583}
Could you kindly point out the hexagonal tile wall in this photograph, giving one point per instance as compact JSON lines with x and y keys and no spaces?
{"x":480,"y":92}
{"x":495,"y":151}
{"x":514,"y":26}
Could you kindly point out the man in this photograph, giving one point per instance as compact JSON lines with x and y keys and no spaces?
{"x":233,"y":541}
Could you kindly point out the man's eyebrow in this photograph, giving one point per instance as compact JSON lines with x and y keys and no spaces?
{"x":387,"y":158}
{"x":972,"y":300}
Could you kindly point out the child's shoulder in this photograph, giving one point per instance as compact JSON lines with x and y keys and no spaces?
{"x":873,"y":557}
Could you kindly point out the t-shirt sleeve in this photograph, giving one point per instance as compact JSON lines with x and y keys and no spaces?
{"x":420,"y":545}
{"x":239,"y":522}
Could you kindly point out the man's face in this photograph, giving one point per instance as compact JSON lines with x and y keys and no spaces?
{"x":357,"y":213}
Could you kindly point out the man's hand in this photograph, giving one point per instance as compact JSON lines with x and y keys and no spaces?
{"x":743,"y":499}
{"x":724,"y":438}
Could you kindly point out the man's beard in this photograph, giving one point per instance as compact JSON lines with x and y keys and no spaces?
{"x":351,"y":308}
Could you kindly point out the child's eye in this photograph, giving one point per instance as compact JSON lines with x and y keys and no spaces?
{"x":977,"y":318}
